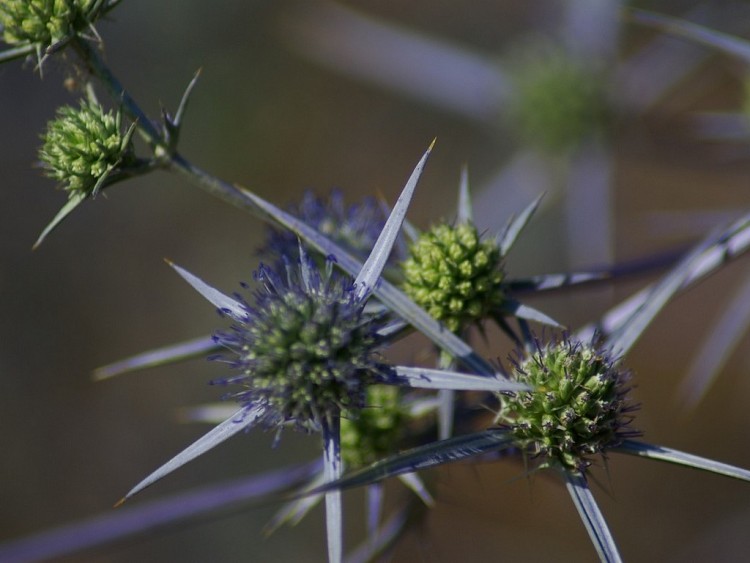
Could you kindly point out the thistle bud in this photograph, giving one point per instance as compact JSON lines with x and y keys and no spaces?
{"x":83,"y":146}
{"x":578,"y":407}
{"x":454,"y":275}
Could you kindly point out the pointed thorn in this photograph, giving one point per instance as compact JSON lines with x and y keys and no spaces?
{"x":120,"y":502}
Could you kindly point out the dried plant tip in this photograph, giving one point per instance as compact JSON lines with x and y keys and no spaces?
{"x":454,"y":275}
{"x":83,"y":146}
{"x":578,"y":408}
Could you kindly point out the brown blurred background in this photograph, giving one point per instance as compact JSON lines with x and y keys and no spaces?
{"x":264,"y":116}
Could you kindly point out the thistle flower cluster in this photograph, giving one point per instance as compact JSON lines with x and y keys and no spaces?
{"x":84,"y":145}
{"x":354,"y":228}
{"x":578,"y":406}
{"x":454,"y":275}
{"x":306,"y":351}
{"x":45,"y":22}
{"x":558,"y":101}
{"x":377,"y":430}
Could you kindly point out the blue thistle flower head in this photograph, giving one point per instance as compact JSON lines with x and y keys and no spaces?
{"x":306,"y":351}
{"x":354,"y":227}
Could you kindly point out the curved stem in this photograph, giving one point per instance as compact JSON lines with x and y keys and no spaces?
{"x":98,"y":68}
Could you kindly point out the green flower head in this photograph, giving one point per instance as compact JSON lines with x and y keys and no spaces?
{"x":578,"y":407}
{"x":83,"y":146}
{"x":45,"y":22}
{"x":454,"y":275}
{"x":375,"y":433}
{"x":558,"y":101}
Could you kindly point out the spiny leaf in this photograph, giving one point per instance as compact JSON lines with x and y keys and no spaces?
{"x":214,"y":296}
{"x":661,"y":453}
{"x":242,"y":419}
{"x":592,"y":517}
{"x":173,"y":353}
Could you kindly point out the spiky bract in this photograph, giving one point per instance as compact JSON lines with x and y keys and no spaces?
{"x":578,"y":407}
{"x":84,"y":145}
{"x":454,"y":275}
{"x":306,"y":351}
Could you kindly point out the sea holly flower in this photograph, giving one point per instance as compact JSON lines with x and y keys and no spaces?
{"x":454,"y":275}
{"x":308,"y":341}
{"x":579,"y":406}
{"x":304,"y":349}
{"x":459,"y":277}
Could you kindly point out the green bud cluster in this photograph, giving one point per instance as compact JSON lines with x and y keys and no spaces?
{"x":578,"y":406}
{"x":558,"y":102}
{"x":82,"y":146}
{"x":454,"y":275}
{"x":44,"y":22}
{"x":375,"y":432}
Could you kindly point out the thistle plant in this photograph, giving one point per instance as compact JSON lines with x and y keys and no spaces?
{"x":305,"y":346}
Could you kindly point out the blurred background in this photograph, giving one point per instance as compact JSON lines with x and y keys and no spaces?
{"x":299,"y":95}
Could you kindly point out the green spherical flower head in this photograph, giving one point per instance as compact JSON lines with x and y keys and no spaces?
{"x":375,"y":433}
{"x":558,"y":102}
{"x":454,"y":275}
{"x":578,"y":407}
{"x":45,"y":22}
{"x":83,"y":146}
{"x":307,"y":350}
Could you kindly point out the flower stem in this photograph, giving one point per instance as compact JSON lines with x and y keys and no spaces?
{"x":333,"y":469}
